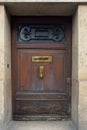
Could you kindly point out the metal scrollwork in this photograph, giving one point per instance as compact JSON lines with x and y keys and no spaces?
{"x":58,"y":34}
{"x":25,"y":33}
{"x":41,"y":33}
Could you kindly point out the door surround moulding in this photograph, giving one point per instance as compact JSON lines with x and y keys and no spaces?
{"x":7,"y":22}
{"x":41,"y":8}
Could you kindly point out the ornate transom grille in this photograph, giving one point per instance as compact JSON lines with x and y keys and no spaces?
{"x":41,"y":33}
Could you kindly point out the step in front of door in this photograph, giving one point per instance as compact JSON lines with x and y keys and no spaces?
{"x":42,"y":125}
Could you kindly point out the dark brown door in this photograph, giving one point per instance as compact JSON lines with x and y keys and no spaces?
{"x":41,"y":68}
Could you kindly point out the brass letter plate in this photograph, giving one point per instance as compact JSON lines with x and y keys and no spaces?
{"x":41,"y":58}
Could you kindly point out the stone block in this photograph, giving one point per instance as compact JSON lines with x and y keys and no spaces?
{"x":82,"y":104}
{"x":82,"y":53}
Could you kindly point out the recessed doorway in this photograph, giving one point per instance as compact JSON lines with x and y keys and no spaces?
{"x":41,"y":68}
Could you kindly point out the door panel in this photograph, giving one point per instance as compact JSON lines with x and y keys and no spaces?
{"x":28,"y":71}
{"x":41,"y":87}
{"x":43,"y":107}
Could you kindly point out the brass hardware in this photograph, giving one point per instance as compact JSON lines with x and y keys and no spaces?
{"x":68,"y":80}
{"x":41,"y":72}
{"x":41,"y":58}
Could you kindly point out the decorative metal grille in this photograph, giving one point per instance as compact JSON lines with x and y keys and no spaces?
{"x":28,"y":33}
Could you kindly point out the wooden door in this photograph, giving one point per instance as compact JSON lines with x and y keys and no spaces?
{"x":41,"y":68}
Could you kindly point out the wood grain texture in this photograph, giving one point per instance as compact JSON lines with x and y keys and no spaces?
{"x":32,"y":95}
{"x":34,"y":107}
{"x":28,"y":71}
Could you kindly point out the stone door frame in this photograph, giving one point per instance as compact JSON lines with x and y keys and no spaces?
{"x":79,"y":64}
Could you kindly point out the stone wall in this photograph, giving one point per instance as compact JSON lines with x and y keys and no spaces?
{"x":79,"y":67}
{"x":75,"y":81}
{"x":2,"y":62}
{"x":82,"y":67}
{"x":43,"y":1}
{"x":5,"y":68}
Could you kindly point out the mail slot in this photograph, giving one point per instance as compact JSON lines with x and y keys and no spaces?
{"x":41,"y":58}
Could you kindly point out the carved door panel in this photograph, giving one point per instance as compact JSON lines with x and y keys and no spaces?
{"x":41,"y":68}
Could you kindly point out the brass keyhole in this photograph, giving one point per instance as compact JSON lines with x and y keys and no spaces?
{"x":41,"y":72}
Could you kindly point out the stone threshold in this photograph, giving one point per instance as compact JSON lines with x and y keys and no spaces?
{"x":41,"y":125}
